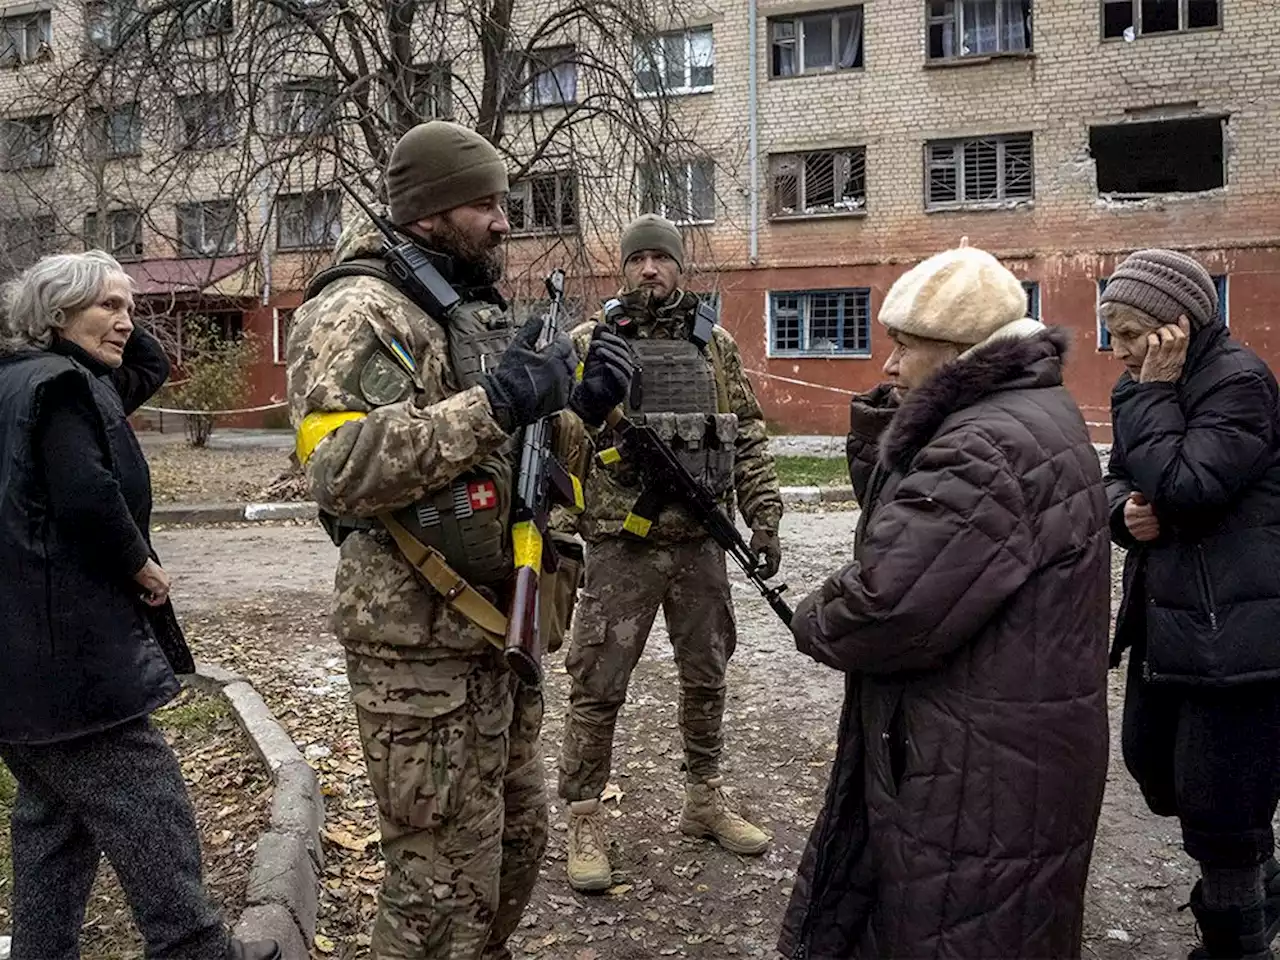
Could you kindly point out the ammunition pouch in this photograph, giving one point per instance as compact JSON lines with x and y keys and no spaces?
{"x":558,"y":593}
{"x":479,"y":333}
{"x":703,"y":443}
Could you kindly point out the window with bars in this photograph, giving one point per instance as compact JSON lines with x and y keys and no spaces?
{"x":1130,"y":19}
{"x":23,"y":38}
{"x":544,"y":78}
{"x":1219,"y":282}
{"x":816,"y":42}
{"x":120,"y":233}
{"x":304,"y":106}
{"x":207,"y":19}
{"x":207,"y":120}
{"x":544,"y":204}
{"x":308,"y":220}
{"x":683,"y":191}
{"x":25,"y":240}
{"x":983,"y":170}
{"x":206,"y":229}
{"x":116,"y":131}
{"x":816,"y":183}
{"x":26,"y":142}
{"x":820,"y":323}
{"x":676,"y":63}
{"x":978,"y":28}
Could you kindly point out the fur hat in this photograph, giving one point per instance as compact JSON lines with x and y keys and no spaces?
{"x":439,"y":165}
{"x":963,"y":296}
{"x":652,"y":232}
{"x":1165,"y":285}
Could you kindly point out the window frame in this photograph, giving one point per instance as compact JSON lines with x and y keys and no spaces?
{"x":659,"y":63}
{"x":519,"y":67}
{"x":1136,"y":21}
{"x":436,"y":77}
{"x":802,"y":213}
{"x":863,"y":305}
{"x":101,"y":130}
{"x":1117,"y":196}
{"x":797,"y":41}
{"x":281,"y":319}
{"x":1032,"y":289}
{"x":40,"y":232}
{"x":208,"y":99}
{"x":956,"y":18}
{"x":116,"y":15}
{"x":41,"y":21}
{"x":114,"y":217}
{"x":8,"y":141}
{"x":335,"y":227}
{"x":231,"y":234}
{"x":564,"y":179}
{"x":958,"y":146}
{"x":207,"y":26}
{"x":325,"y":88}
{"x":662,"y":206}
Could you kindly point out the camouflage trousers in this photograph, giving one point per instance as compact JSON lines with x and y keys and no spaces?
{"x":453,"y":758}
{"x":626,"y":582}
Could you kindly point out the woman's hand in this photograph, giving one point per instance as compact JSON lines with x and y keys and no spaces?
{"x":154,"y":582}
{"x":1140,"y":518}
{"x":1166,"y":353}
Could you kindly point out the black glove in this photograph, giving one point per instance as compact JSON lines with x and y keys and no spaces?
{"x":606,"y":377}
{"x":529,"y":383}
{"x":766,"y":545}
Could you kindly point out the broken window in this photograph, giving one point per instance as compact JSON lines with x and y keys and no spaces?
{"x":824,"y":181}
{"x":979,"y":171}
{"x":1128,"y":19}
{"x":1138,"y":159}
{"x":683,"y":192}
{"x":977,"y":28}
{"x":544,"y":204}
{"x":822,"y":322}
{"x":816,"y":42}
{"x":121,"y":234}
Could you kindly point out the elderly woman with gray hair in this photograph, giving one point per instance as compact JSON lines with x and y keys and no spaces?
{"x":1194,"y":491}
{"x":89,"y":644}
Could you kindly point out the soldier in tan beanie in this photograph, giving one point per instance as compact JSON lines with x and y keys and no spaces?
{"x":1193,"y":485}
{"x":405,"y":421}
{"x":970,"y":626}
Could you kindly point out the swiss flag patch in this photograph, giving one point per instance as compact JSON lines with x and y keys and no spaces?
{"x":482,"y":494}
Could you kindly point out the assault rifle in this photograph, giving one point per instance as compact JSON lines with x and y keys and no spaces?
{"x":665,"y":479}
{"x":542,"y":480}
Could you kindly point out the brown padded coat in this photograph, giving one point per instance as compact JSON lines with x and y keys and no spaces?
{"x":972,"y":625}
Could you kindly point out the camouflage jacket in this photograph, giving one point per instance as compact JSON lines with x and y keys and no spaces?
{"x":377,"y":456}
{"x":755,"y":477}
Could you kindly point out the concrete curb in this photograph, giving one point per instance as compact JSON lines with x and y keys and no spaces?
{"x":282,"y":899}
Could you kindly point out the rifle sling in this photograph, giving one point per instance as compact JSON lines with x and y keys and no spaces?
{"x":456,"y":591}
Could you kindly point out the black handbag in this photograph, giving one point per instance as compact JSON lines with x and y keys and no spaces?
{"x":173,"y":644}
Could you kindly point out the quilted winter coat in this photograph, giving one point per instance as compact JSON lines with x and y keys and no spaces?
{"x":972,"y":625}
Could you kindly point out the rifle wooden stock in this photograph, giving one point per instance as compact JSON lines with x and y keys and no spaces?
{"x":524,"y":644}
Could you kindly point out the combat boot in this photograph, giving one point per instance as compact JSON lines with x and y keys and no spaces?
{"x":707,"y":814}
{"x":1233,"y":933}
{"x":254,"y":950}
{"x":589,"y":870}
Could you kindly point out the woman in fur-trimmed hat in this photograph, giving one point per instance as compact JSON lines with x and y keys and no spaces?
{"x":1194,"y":491}
{"x":972,"y":626}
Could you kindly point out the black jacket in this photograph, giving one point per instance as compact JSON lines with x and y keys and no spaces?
{"x":1203,"y":601}
{"x":78,"y":649}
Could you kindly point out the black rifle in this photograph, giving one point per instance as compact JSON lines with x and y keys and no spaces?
{"x":542,"y":481}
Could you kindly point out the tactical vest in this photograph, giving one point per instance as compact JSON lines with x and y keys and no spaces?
{"x":675,"y":392}
{"x":468,"y":522}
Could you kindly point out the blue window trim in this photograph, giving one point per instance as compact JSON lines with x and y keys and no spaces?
{"x":863,"y":294}
{"x":1032,"y":290}
{"x":1220,"y":280}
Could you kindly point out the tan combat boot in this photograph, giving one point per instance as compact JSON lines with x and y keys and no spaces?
{"x":589,"y":870}
{"x":707,"y":814}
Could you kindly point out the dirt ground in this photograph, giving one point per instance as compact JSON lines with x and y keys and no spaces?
{"x":255,"y":598}
{"x":231,"y":793}
{"x":221,"y":473}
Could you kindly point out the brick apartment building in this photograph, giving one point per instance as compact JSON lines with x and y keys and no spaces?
{"x":837,"y":146}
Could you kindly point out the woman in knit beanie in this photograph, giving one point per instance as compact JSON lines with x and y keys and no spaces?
{"x":1194,"y":493}
{"x":971,"y":626}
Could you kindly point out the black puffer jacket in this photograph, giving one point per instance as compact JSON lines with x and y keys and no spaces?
{"x":972,"y":625}
{"x":1205,"y":451}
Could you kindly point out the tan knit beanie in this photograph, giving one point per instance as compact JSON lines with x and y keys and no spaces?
{"x":439,"y":165}
{"x":961,"y":296}
{"x":652,"y":232}
{"x":1165,"y":285}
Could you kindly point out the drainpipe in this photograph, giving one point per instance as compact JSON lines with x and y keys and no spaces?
{"x":753,"y":139}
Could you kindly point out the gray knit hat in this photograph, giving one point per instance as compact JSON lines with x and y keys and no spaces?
{"x":1165,"y":285}
{"x":652,"y":232}
{"x":439,"y":165}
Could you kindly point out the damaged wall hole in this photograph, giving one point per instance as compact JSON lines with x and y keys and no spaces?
{"x":1142,"y":159}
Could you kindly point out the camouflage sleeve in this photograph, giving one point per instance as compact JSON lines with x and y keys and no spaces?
{"x":755,"y":476}
{"x":379,"y":457}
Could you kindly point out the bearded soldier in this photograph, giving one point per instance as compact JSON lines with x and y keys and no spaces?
{"x":405,"y":424}
{"x":689,"y":382}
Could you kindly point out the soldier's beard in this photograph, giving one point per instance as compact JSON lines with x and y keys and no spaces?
{"x":481,"y":263}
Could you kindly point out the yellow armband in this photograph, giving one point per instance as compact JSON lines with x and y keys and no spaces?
{"x":316,"y":426}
